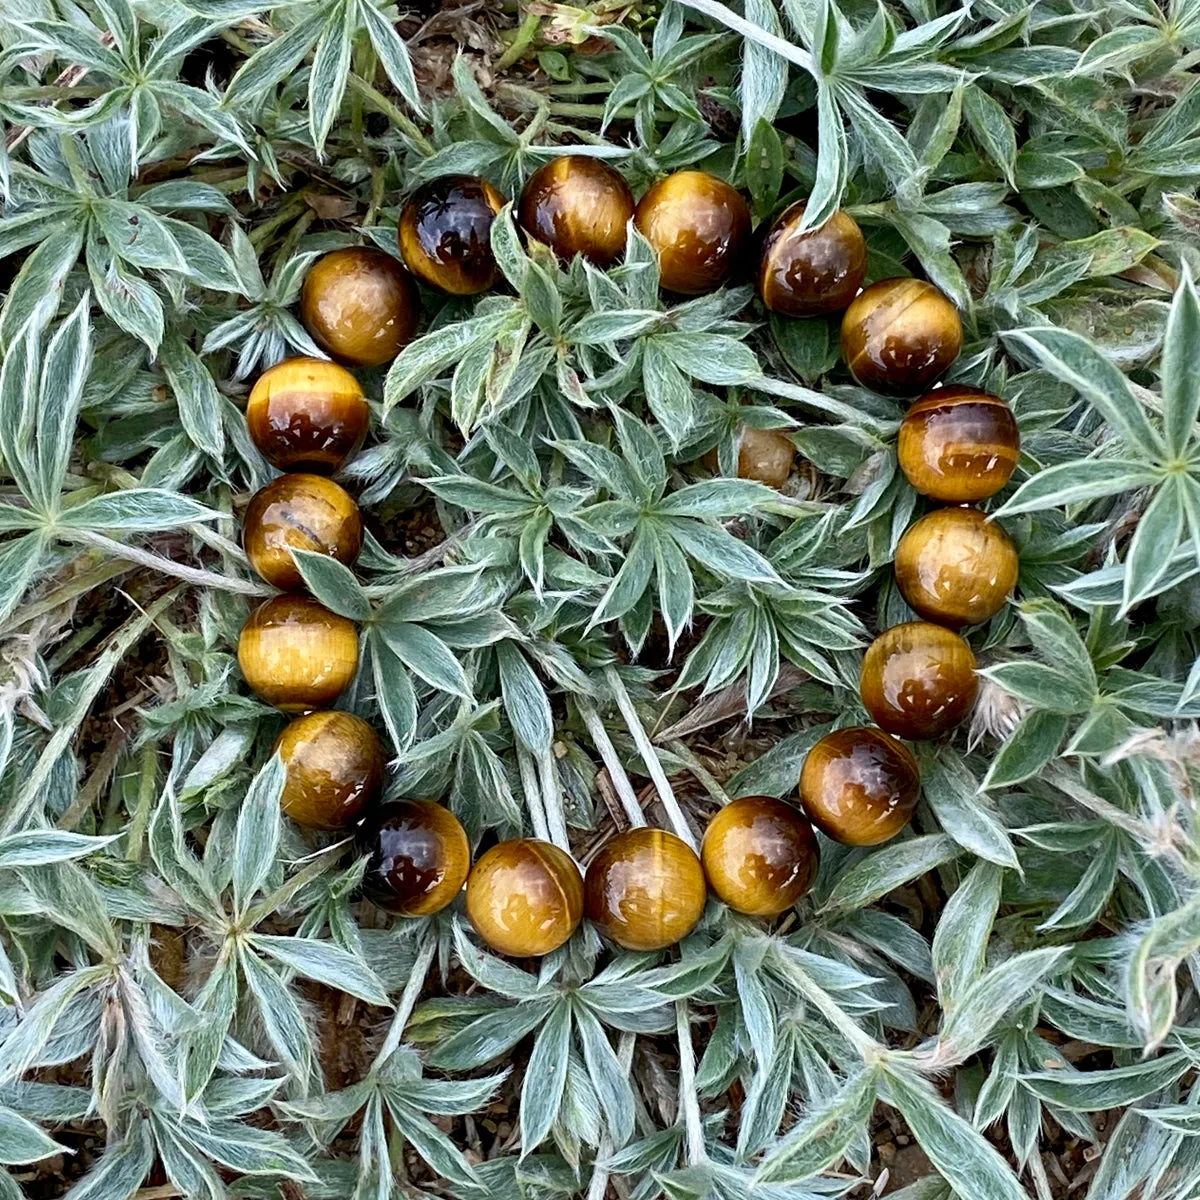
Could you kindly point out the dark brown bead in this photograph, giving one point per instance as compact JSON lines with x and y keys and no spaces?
{"x":360,"y":305}
{"x":918,"y":680}
{"x":645,"y":889}
{"x":955,"y":567}
{"x":306,"y":414}
{"x":859,"y":786}
{"x":419,"y":860}
{"x":958,"y":444}
{"x":334,"y":766}
{"x":814,"y":272}
{"x":699,"y":227}
{"x":445,"y":234}
{"x":296,"y":654}
{"x":578,"y":205}
{"x":899,"y":335}
{"x":760,"y":855}
{"x":299,"y":512}
{"x":764,"y":455}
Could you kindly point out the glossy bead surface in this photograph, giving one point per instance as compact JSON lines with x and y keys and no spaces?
{"x":306,"y":414}
{"x":525,"y":898}
{"x":359,"y":305}
{"x":764,"y":455}
{"x":699,"y":227}
{"x":334,"y":765}
{"x":918,"y":680}
{"x":419,"y":860}
{"x":859,"y":786}
{"x":900,"y":335}
{"x":955,"y":567}
{"x":296,"y":654}
{"x":299,"y":512}
{"x":814,"y":272}
{"x":760,"y":855}
{"x":645,"y":889}
{"x":578,"y":205}
{"x":445,"y":234}
{"x":958,"y":444}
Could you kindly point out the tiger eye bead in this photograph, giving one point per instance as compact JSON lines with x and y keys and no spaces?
{"x":814,"y":272}
{"x":296,"y":654}
{"x":525,"y":897}
{"x":958,"y":444}
{"x":764,"y":455}
{"x":760,"y":855}
{"x":859,"y":786}
{"x":645,"y":889}
{"x":445,"y":234}
{"x":578,"y":205}
{"x":359,"y":305}
{"x":899,"y":335}
{"x":955,"y":567}
{"x":918,"y":680}
{"x":419,"y":860}
{"x":306,"y":414}
{"x":334,"y":769}
{"x":299,"y":512}
{"x":699,"y":228}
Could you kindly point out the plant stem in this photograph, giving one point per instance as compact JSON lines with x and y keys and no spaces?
{"x":598,"y":1186}
{"x":689,"y":1101}
{"x":408,"y":1001}
{"x":697,"y":768}
{"x":145,"y":803}
{"x":381,"y":104}
{"x":520,"y":43}
{"x":552,"y":799}
{"x":612,"y":763}
{"x":533,"y":795}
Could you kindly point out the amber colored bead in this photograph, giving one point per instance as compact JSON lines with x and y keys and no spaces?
{"x":699,"y":227}
{"x":578,"y":205}
{"x":645,"y":889}
{"x":299,"y":512}
{"x":334,"y":765}
{"x":306,"y":414}
{"x":899,"y":335}
{"x":958,"y":444}
{"x":764,"y":455}
{"x":525,"y":898}
{"x":859,"y":786}
{"x":445,"y":234}
{"x":296,"y":654}
{"x":814,"y":272}
{"x":760,"y":855}
{"x":918,"y":680}
{"x":419,"y":860}
{"x":360,"y":306}
{"x":955,"y":567}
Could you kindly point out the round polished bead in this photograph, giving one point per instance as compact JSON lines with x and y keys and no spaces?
{"x":859,"y":786}
{"x":955,"y":567}
{"x":334,"y":769}
{"x":918,"y":680}
{"x":645,"y":889}
{"x":296,"y":654}
{"x":578,"y":205}
{"x":958,"y":444}
{"x":899,"y":335}
{"x":525,"y":898}
{"x":806,"y":274}
{"x":306,"y":414}
{"x":760,"y":855}
{"x":419,"y":857}
{"x":445,"y":234}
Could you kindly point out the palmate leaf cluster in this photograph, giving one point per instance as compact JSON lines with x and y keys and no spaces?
{"x":563,"y":574}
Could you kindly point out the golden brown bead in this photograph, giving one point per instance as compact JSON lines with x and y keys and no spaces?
{"x":859,"y":786}
{"x":334,"y":765}
{"x":299,"y":512}
{"x":699,"y":227}
{"x":445,"y":234}
{"x":578,"y":205}
{"x":359,"y":305}
{"x":899,"y":335}
{"x":817,"y":271}
{"x":760,"y":855}
{"x":296,"y":654}
{"x":306,"y":414}
{"x":419,"y":860}
{"x":955,"y":567}
{"x":525,"y":898}
{"x":645,"y":889}
{"x":918,"y":680}
{"x":958,"y":444}
{"x":764,"y":455}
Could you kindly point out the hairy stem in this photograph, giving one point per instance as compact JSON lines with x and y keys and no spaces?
{"x":612,"y":763}
{"x":408,"y":1001}
{"x":689,"y":1101}
{"x":533,"y":794}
